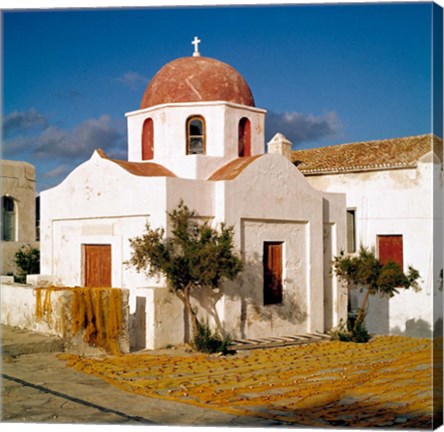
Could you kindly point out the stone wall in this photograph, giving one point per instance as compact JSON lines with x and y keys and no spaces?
{"x":8,"y":251}
{"x":18,"y":183}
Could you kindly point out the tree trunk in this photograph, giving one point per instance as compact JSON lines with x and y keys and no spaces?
{"x":361,"y":311}
{"x":195,"y":324}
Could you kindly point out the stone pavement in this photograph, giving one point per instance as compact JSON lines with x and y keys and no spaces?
{"x":17,"y":342}
{"x":38,"y":387}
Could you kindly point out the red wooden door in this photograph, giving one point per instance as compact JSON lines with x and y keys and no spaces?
{"x":272,"y":273}
{"x":97,"y":265}
{"x":390,"y":249}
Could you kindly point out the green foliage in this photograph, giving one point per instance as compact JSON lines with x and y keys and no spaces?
{"x":365,"y":271}
{"x":391,"y":277}
{"x":195,"y":253}
{"x":27,"y":260}
{"x":210,"y":342}
{"x":362,"y":269}
{"x":340,"y":332}
{"x":357,"y":334}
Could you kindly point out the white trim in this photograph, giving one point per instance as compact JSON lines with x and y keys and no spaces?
{"x":194,"y":104}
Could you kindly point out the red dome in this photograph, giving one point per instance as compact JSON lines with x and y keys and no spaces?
{"x":197,"y":79}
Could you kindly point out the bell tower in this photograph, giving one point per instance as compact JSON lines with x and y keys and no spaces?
{"x":196,"y":114}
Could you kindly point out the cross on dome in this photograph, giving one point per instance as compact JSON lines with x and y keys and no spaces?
{"x":196,"y":43}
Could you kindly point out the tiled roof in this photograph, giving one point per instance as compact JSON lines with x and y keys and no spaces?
{"x":367,"y":156}
{"x":144,"y":169}
{"x":232,"y":169}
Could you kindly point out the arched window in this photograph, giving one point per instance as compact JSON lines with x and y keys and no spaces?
{"x":196,"y":135}
{"x":8,"y":219}
{"x":148,"y":139}
{"x":244,"y":137}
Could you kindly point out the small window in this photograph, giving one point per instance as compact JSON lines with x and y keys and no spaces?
{"x":37,"y":218}
{"x":351,"y":231}
{"x":272,"y":273}
{"x":148,"y":139}
{"x":8,"y":219}
{"x":195,"y":135}
{"x":244,"y":137}
{"x":390,"y":248}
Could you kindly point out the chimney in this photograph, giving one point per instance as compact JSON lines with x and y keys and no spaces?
{"x":281,"y":145}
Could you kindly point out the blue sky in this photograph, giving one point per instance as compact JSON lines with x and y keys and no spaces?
{"x":327,"y":74}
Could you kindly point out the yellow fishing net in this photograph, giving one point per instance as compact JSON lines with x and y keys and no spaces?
{"x":387,"y":381}
{"x":97,"y":312}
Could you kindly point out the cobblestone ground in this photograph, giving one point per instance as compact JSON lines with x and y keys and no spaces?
{"x":384,"y":383}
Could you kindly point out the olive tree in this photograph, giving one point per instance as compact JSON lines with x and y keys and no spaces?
{"x":195,"y":257}
{"x":366,"y":272}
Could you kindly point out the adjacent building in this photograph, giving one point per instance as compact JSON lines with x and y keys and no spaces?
{"x":394,"y":192}
{"x":18,"y":225}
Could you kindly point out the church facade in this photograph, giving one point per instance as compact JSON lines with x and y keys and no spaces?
{"x":198,"y":137}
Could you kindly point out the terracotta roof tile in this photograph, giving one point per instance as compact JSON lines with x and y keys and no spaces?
{"x":366,"y":156}
{"x":144,"y":169}
{"x":232,"y":169}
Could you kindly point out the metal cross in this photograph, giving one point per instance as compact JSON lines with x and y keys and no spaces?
{"x":196,"y":43}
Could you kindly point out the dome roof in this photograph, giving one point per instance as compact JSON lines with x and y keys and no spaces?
{"x":197,"y":79}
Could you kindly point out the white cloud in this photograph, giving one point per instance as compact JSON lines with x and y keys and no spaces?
{"x":81,"y":141}
{"x":299,"y":127}
{"x":134,"y":80}
{"x":22,"y":121}
{"x":28,"y":132}
{"x":13,"y":146}
{"x":59,"y":171}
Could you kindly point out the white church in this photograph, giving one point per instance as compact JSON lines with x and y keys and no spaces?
{"x":198,"y":136}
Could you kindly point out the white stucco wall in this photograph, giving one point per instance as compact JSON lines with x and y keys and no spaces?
{"x":334,"y":240}
{"x":438,"y":245}
{"x":159,"y":318}
{"x":18,"y":309}
{"x":108,"y":205}
{"x":98,"y":203}
{"x":271,"y":201}
{"x":399,"y":202}
{"x":221,"y":123}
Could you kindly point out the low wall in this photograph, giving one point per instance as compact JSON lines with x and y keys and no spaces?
{"x":51,"y":311}
{"x":159,"y":319}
